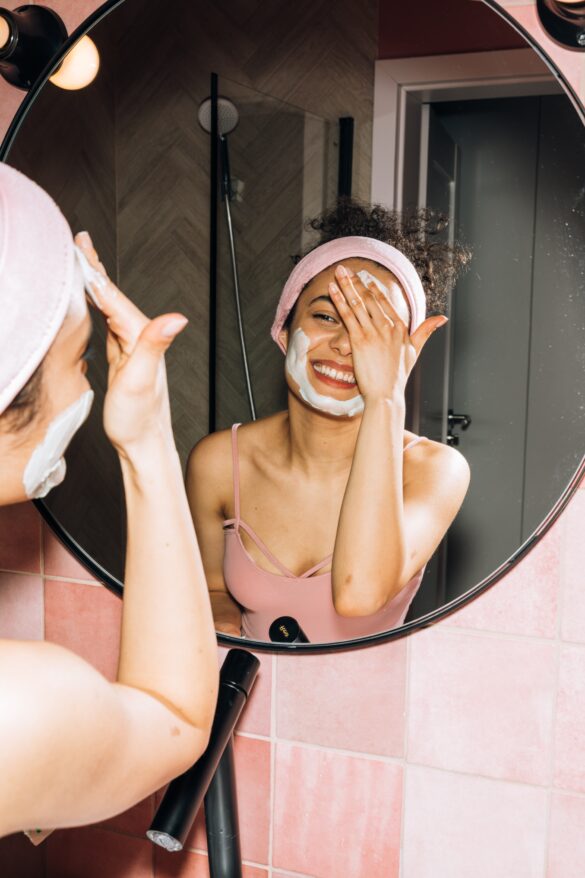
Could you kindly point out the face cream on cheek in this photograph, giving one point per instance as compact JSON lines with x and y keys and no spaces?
{"x":46,"y":467}
{"x":297,"y":366}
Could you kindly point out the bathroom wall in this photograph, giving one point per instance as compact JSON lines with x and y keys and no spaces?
{"x":457,"y":751}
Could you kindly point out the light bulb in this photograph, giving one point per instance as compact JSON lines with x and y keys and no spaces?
{"x":79,"y":67}
{"x":4,"y":32}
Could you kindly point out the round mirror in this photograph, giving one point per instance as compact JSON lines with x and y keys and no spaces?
{"x":195,"y":160}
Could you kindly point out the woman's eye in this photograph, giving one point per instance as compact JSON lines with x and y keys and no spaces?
{"x":328,"y":318}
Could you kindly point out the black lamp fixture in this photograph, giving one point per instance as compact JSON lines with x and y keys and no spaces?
{"x":564,"y":22}
{"x":30,"y":37}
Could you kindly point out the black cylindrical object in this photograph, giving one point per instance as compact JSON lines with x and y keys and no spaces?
{"x":344,"y":181}
{"x":36,"y":35}
{"x":182,"y":800}
{"x":287,"y":630}
{"x":221,"y":819}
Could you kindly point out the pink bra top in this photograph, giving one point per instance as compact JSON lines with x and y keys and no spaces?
{"x":265,"y":596}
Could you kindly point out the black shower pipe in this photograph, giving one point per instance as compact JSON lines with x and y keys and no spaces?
{"x":212,"y":777}
{"x":345,"y":175}
{"x":213,"y":221}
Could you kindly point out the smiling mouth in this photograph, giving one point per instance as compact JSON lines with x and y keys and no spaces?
{"x":334,"y":377}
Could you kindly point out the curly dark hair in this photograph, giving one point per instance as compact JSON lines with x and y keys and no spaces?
{"x":418,"y":233}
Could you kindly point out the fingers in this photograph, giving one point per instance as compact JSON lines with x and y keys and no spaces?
{"x":125,"y":320}
{"x":421,"y":335}
{"x":155,"y":338}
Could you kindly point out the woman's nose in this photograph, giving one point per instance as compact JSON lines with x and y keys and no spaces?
{"x":340,"y":342}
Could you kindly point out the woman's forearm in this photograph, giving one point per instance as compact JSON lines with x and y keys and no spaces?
{"x":369,"y":552}
{"x":168,"y":645}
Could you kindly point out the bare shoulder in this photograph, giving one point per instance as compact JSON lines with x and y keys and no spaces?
{"x":438,"y":464}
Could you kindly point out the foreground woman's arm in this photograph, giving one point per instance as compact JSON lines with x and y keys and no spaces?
{"x":389,"y":526}
{"x":74,"y":748}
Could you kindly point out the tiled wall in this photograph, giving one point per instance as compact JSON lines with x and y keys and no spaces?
{"x":457,"y":752}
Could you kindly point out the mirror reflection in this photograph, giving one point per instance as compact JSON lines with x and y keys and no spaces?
{"x":353,"y":520}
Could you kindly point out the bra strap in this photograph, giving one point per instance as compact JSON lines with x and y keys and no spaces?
{"x":236,"y":472}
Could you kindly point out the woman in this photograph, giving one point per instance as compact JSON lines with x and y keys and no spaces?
{"x":75,"y":748}
{"x":331,"y":509}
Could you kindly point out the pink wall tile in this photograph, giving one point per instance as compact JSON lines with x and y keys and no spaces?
{"x":569,"y":770}
{"x":20,"y":531}
{"x":135,"y":821}
{"x":255,"y":718}
{"x":352,"y":700}
{"x":21,"y":859}
{"x":252,"y":756}
{"x":336,"y":815}
{"x":572,"y":566}
{"x":21,"y":606}
{"x":86,"y":619}
{"x":566,"y":854}
{"x":482,"y":704}
{"x":525,"y":600}
{"x":189,"y":865}
{"x":457,"y":827}
{"x":58,"y":561}
{"x":97,"y":853}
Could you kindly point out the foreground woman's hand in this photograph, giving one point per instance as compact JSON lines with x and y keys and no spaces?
{"x":383,"y":351}
{"x":136,"y":407}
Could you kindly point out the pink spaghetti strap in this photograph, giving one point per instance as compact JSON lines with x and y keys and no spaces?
{"x":236,"y":472}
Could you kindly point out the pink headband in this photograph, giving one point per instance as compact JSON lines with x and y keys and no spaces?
{"x":344,"y":248}
{"x":39,"y":278}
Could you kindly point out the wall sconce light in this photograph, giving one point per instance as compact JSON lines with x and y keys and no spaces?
{"x":30,"y":36}
{"x":564,"y":22}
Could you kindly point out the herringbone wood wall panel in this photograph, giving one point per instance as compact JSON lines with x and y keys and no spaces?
{"x":127,"y":159}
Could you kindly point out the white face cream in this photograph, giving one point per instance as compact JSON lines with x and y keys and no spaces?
{"x":46,"y":467}
{"x":297,"y":364}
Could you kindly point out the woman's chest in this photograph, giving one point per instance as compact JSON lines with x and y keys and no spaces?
{"x":295,"y":521}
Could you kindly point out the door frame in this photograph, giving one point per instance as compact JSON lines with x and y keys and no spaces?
{"x":466,"y":76}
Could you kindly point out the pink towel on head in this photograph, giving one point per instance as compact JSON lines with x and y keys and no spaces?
{"x":336,"y":251}
{"x":39,"y":278}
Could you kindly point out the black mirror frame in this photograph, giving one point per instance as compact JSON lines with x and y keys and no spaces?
{"x":313,"y":648}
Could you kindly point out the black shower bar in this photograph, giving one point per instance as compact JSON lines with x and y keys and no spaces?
{"x":181,"y":803}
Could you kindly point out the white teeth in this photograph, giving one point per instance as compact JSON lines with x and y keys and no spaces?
{"x":346,"y":377}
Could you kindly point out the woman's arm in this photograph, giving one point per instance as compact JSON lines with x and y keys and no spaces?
{"x":73,"y":747}
{"x":205,"y":473}
{"x":388,"y":527}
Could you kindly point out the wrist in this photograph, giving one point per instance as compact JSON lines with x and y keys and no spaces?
{"x":394,"y":401}
{"x":145,"y":459}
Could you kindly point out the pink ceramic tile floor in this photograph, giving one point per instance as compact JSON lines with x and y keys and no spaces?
{"x":569,"y":771}
{"x":20,"y":531}
{"x":336,"y":815}
{"x":97,"y":853}
{"x":85,"y":619}
{"x":21,"y":606}
{"x":525,"y":600}
{"x":349,"y":700}
{"x":566,"y":854}
{"x":482,"y":704}
{"x":470,"y":827}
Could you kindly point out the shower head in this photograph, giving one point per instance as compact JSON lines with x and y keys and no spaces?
{"x":227,"y":116}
